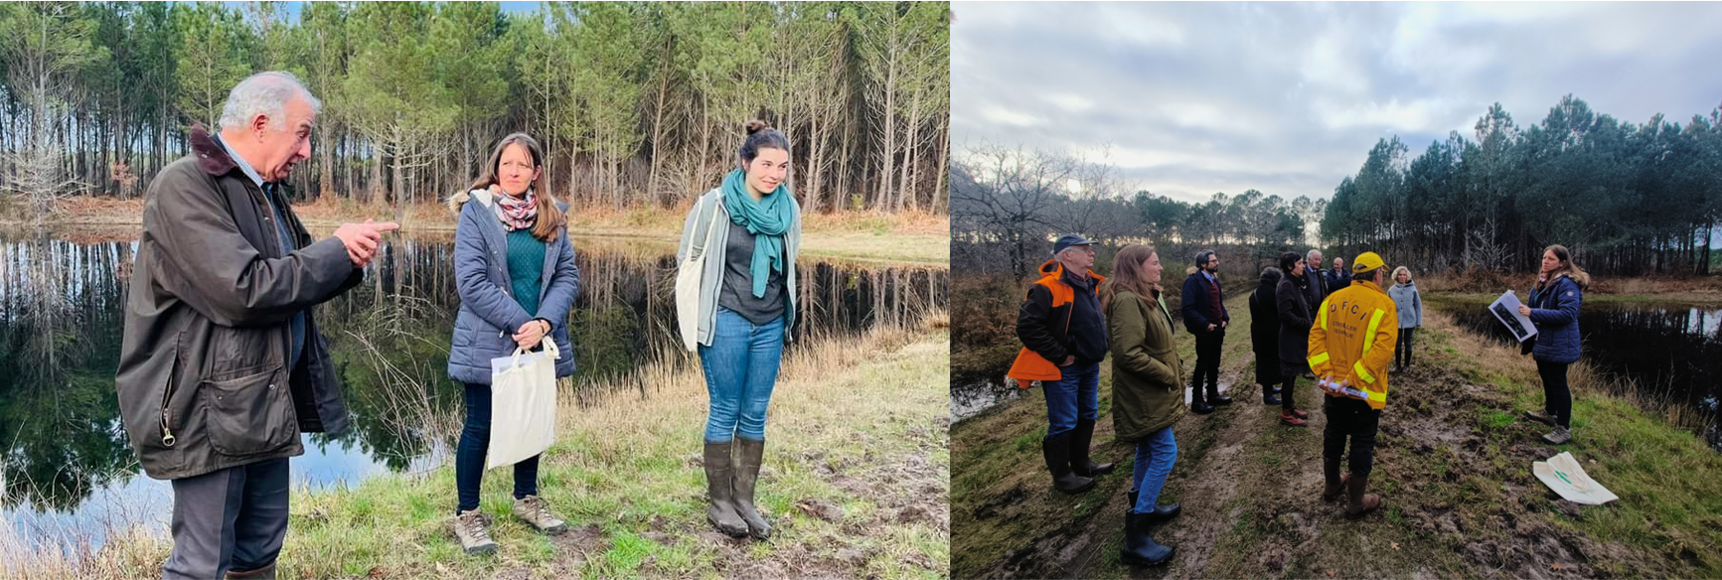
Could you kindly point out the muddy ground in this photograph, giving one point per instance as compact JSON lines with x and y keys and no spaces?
{"x":1452,"y":463}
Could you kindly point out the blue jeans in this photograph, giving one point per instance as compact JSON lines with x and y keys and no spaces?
{"x":469,"y":456}
{"x":1154,"y":457}
{"x":1077,"y":394}
{"x":741,"y":369}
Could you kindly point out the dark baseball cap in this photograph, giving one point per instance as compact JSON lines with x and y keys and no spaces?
{"x":1069,"y":240}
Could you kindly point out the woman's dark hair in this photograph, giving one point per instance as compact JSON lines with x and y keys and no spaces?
{"x":1288,"y":262}
{"x":1271,"y":276}
{"x":550,"y":219}
{"x":760,"y":135}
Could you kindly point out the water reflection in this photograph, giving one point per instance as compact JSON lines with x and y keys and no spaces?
{"x":1669,"y":352}
{"x":65,"y":461}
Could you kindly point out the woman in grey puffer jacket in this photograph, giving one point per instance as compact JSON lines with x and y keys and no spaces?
{"x":1410,"y":303}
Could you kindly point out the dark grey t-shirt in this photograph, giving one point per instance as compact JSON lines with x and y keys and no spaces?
{"x":737,"y":292}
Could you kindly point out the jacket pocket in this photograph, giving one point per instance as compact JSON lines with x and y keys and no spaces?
{"x":249,"y":415}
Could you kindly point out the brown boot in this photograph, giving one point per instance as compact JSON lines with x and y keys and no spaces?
{"x":1360,"y":503}
{"x":472,"y":529}
{"x":1287,"y":417}
{"x":721,"y":509}
{"x":749,"y":456}
{"x":262,"y":573}
{"x":1335,"y":480}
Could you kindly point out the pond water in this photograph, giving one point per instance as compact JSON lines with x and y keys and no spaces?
{"x":1671,"y":352}
{"x":67,"y":470}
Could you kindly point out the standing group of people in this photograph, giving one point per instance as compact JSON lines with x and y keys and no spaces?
{"x":1346,"y":328}
{"x":222,"y":365}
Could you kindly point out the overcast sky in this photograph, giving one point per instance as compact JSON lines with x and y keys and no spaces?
{"x":1287,"y":98}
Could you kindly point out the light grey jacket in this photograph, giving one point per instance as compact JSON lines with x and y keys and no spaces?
{"x":713,"y":241}
{"x":1409,"y":302}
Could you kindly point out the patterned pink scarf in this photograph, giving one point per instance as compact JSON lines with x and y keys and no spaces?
{"x":517,"y":214}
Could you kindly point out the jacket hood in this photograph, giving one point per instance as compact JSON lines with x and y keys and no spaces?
{"x":458,"y":200}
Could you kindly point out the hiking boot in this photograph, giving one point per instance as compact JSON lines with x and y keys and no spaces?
{"x":1560,"y":436}
{"x":1360,"y":503}
{"x":1270,"y":400}
{"x":749,"y":456}
{"x":1540,"y":417}
{"x":259,"y":573}
{"x":532,"y":510}
{"x":1139,"y":549}
{"x":720,"y":510}
{"x":1057,"y":452}
{"x":472,"y":529}
{"x":1079,"y":461}
{"x":1288,"y":418}
{"x":1335,"y":489}
{"x":1299,"y":413}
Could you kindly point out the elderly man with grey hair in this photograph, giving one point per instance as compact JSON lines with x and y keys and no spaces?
{"x":1318,"y":289}
{"x":221,"y":364}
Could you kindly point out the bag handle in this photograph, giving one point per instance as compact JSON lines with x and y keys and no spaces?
{"x":549,"y":347}
{"x":698,"y":243}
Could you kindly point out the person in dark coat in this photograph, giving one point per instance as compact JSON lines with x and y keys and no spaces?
{"x":1295,"y":319}
{"x":1554,"y":310}
{"x":221,"y":363}
{"x":1204,"y":309}
{"x":1337,"y":278}
{"x":517,"y":280}
{"x":1318,"y":288}
{"x":1265,"y":334}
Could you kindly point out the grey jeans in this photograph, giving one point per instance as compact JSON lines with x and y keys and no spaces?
{"x":231,"y":519}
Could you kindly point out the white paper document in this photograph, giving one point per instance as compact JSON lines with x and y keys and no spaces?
{"x":1506,"y":309}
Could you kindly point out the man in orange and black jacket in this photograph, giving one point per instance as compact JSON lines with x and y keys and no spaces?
{"x":1061,"y":325}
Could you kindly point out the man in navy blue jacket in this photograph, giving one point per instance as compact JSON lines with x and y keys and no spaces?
{"x":1205,"y":316}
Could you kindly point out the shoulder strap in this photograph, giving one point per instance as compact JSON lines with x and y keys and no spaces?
{"x":709,"y":204}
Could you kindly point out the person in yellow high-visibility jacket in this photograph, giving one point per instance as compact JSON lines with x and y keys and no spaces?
{"x":1350,"y":348}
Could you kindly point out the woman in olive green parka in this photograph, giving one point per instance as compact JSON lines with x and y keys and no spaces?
{"x":1147,"y":391}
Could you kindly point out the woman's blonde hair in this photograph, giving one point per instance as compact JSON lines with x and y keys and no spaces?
{"x":1127,"y":275}
{"x":1406,"y":270}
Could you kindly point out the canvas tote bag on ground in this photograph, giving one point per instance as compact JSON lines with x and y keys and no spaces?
{"x":688,"y":285}
{"x":522,"y":405}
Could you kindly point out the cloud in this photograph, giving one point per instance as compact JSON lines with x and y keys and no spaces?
{"x":1287,"y":98}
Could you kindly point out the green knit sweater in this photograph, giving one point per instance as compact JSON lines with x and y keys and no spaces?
{"x":525,"y":268}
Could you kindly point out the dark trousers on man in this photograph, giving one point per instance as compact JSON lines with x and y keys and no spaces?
{"x":232,"y":519}
{"x":1354,"y":419}
{"x":1207,"y":364}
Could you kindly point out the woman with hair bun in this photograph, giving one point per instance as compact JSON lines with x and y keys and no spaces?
{"x":748,"y":229}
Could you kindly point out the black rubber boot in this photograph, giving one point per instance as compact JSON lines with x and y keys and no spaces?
{"x":1139,"y":549}
{"x":1080,"y":463}
{"x":1057,"y":452}
{"x":1161,"y":512}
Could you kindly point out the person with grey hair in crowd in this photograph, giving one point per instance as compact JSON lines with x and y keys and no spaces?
{"x":221,"y":363}
{"x":1318,"y":288}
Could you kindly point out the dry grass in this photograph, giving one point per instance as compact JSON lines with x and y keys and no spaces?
{"x":857,"y":424}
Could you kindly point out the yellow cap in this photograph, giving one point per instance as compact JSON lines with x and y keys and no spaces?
{"x":1365,"y":262}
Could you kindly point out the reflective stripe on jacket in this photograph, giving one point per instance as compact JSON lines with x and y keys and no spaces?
{"x":1353,"y":338}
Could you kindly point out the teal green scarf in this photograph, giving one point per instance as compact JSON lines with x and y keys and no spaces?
{"x":767,"y":219}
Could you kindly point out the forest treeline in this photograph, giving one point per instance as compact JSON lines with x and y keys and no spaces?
{"x":636,"y":102}
{"x":1628,"y":199}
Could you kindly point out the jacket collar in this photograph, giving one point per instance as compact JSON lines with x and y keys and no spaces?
{"x":212,"y":158}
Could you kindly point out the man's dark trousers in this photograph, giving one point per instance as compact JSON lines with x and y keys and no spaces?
{"x":229,"y":519}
